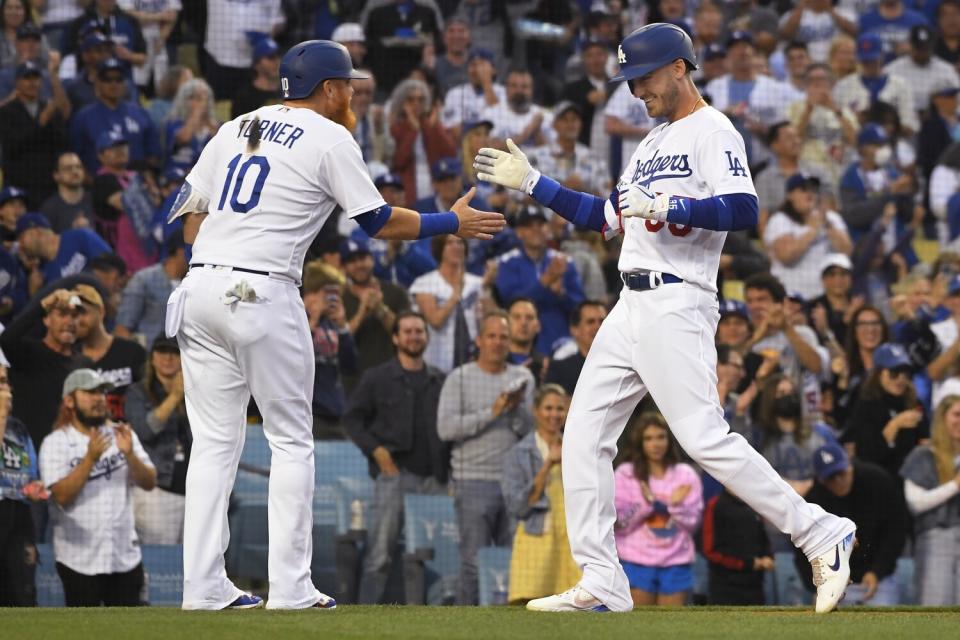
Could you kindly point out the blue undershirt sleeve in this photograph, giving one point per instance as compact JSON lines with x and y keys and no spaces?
{"x":729,"y":212}
{"x":582,"y":209}
{"x":372,"y":221}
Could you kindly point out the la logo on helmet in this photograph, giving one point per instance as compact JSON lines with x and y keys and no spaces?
{"x":621,"y":56}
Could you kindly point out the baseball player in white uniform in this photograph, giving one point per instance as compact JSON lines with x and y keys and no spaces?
{"x":685,"y":186}
{"x":260,"y":192}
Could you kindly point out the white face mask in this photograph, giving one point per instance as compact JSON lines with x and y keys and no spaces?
{"x":883,"y":155}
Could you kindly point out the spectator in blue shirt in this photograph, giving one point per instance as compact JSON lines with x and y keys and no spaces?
{"x":19,"y":485}
{"x":892,"y":21}
{"x":114,"y":23}
{"x":143,"y":306}
{"x":190,"y":124}
{"x":111,"y":112}
{"x":546,"y":276}
{"x":94,"y":48}
{"x":59,"y":254}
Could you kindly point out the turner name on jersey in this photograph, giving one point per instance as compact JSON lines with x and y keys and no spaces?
{"x":699,"y":156}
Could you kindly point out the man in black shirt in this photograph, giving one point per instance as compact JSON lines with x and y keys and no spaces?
{"x":70,"y":206}
{"x":264,"y":87}
{"x":590,"y":92}
{"x":869,"y":496}
{"x":118,"y":361}
{"x":39,"y":367}
{"x":585,"y":322}
{"x":392,"y":417}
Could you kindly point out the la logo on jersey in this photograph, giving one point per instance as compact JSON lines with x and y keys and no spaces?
{"x":734,"y":165}
{"x":621,"y":56}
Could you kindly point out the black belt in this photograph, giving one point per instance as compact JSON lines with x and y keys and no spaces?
{"x":254,"y":271}
{"x":647,"y":280}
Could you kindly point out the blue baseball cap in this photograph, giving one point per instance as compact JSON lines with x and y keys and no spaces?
{"x":890,"y":356}
{"x":108,"y":65}
{"x":388,"y":180}
{"x":734,"y":308}
{"x":94,"y":39}
{"x":869,"y":47}
{"x":174,"y":175}
{"x":802,"y":181}
{"x":446,"y":168}
{"x":473,"y":124}
{"x":829,"y":460}
{"x":109,"y":139}
{"x":480,"y":52}
{"x":739,"y":36}
{"x":714,"y":51}
{"x":872,"y":134}
{"x":353,"y":247}
{"x":32,"y":220}
{"x":264,"y":48}
{"x":28,"y":68}
{"x":28,"y":30}
{"x":12,"y":193}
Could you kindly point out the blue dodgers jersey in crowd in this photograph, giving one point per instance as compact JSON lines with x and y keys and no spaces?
{"x":129,"y":118}
{"x":18,"y":461}
{"x":77,"y":248}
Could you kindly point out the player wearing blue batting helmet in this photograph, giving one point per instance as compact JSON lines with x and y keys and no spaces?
{"x":309,"y":63}
{"x":651,"y":47}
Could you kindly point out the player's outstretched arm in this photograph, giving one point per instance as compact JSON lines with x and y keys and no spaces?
{"x":512,"y":169}
{"x":398,"y":223}
{"x":729,"y":212}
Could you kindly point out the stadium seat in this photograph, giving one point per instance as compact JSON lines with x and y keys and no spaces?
{"x":49,"y":587}
{"x":493,"y":565}
{"x":163,"y":574}
{"x":432,"y":560}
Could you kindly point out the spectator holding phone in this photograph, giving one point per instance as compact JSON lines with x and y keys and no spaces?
{"x":887,"y":421}
{"x":334,"y":350}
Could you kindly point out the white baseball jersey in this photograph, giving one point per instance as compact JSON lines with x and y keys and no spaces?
{"x":94,"y":533}
{"x":463,"y":103}
{"x":266,"y":208}
{"x":228,"y":22}
{"x":698,"y":156}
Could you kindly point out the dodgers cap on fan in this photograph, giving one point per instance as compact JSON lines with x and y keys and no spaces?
{"x":480,"y":52}
{"x":94,"y":39}
{"x":28,"y":30}
{"x":108,"y":65}
{"x":739,"y":36}
{"x":353,"y":247}
{"x":446,"y":168}
{"x":872,"y":134}
{"x":529,"y":215}
{"x":31,"y":220}
{"x":28,"y":68}
{"x":264,"y":47}
{"x":109,"y":139}
{"x":12,"y":193}
{"x":388,"y":180}
{"x":85,"y":380}
{"x":829,"y":460}
{"x":890,"y":356}
{"x":734,"y":308}
{"x":802,"y":181}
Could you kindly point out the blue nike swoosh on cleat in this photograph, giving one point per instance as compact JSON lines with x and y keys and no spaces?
{"x":836,"y":562}
{"x":600,"y":608}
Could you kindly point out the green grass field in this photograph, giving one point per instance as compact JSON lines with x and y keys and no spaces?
{"x":451,"y":623}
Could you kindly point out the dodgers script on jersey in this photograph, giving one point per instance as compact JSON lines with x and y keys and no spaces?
{"x":699,"y":156}
{"x":267,"y":206}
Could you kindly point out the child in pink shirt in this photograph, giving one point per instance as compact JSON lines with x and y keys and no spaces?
{"x":659,"y":503}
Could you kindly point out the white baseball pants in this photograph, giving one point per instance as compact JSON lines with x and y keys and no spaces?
{"x":662,"y":341}
{"x":228,"y":351}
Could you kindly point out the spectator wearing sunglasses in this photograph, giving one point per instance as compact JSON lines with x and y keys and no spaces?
{"x":887,"y":421}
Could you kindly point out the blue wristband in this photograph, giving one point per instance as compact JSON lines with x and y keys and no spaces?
{"x":435,"y":224}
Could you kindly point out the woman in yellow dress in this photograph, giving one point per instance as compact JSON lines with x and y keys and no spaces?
{"x":532,"y":486}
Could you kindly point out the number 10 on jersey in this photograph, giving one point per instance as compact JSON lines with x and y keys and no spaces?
{"x":263,"y":169}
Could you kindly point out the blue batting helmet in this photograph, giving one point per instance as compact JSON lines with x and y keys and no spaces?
{"x":309,"y":63}
{"x":651,"y":47}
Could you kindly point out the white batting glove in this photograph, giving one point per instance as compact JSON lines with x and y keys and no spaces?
{"x":637,"y":201}
{"x":512,"y":169}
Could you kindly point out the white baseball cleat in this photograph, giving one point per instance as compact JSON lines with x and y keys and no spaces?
{"x":831,"y":574}
{"x":576,"y":599}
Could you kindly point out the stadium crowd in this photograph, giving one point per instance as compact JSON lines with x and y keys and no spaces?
{"x":450,"y":364}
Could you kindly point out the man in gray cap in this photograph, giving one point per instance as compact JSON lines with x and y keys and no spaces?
{"x":89,"y":464}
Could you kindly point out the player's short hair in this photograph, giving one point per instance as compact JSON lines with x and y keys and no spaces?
{"x":773,"y":133}
{"x":437,"y":243}
{"x":523,"y":299}
{"x":576,"y":316}
{"x":403,"y":315}
{"x":766,"y":282}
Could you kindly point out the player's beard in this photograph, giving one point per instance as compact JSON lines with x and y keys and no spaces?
{"x":345,"y":116}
